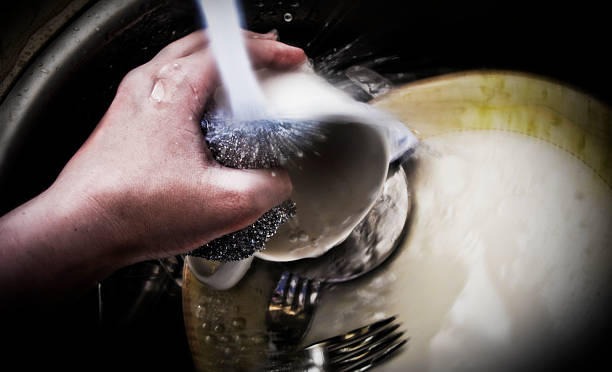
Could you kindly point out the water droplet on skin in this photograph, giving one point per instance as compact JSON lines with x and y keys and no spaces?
{"x":288,"y":17}
{"x":273,"y":174}
{"x":204,"y":325}
{"x":227,"y":351}
{"x":209,"y":339}
{"x":157,"y":94}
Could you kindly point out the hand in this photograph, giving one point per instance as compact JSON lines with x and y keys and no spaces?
{"x":144,"y":185}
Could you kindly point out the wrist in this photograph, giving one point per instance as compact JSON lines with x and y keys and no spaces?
{"x":55,"y":244}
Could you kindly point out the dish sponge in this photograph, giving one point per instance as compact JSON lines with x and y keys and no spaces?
{"x":253,"y":144}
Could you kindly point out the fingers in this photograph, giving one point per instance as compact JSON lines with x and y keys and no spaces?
{"x":271,"y":54}
{"x":184,"y":73}
{"x":199,"y":40}
{"x":185,"y":46}
{"x":181,"y":86}
{"x":202,"y":74}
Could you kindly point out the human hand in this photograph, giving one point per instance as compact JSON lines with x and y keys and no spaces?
{"x":144,"y":185}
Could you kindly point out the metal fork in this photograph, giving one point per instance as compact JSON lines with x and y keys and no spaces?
{"x":291,"y":308}
{"x":357,"y":350}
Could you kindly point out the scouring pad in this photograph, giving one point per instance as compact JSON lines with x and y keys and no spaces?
{"x":243,"y":243}
{"x":254,"y":144}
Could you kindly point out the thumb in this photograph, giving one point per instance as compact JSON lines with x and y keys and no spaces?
{"x":248,"y":193}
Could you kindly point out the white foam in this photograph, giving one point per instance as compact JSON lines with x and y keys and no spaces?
{"x":506,"y":259}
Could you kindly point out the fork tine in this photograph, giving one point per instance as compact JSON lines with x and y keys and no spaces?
{"x":293,"y":282}
{"x":279,"y":292}
{"x":366,"y":349}
{"x":373,"y":357}
{"x":339,"y":341}
{"x":315,"y":287}
{"x":364,"y":341}
{"x":301,"y":300}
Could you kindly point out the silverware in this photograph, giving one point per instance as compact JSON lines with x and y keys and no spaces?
{"x":292,"y":305}
{"x":357,"y":350}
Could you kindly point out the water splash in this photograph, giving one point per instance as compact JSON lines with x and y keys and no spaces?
{"x":264,"y":143}
{"x":253,"y":137}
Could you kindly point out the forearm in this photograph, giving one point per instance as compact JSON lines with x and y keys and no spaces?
{"x":51,"y":247}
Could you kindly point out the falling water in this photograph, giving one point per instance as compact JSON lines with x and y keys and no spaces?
{"x":248,"y":139}
{"x":252,"y":137}
{"x":227,"y":43}
{"x":276,"y":138}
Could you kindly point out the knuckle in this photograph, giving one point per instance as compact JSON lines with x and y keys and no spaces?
{"x":174,"y":76}
{"x":168,"y":50}
{"x":133,"y":75}
{"x":131,"y":81}
{"x":245,"y":205}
